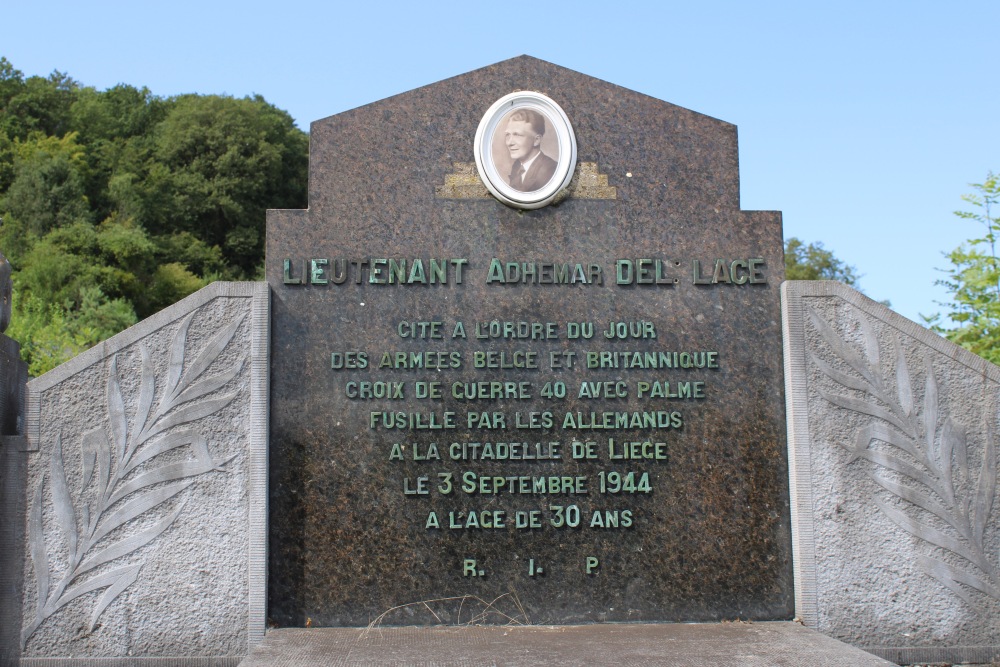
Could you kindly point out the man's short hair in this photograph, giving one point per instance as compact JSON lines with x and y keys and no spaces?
{"x":532,"y":117}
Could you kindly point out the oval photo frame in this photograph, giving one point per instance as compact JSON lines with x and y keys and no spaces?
{"x":499,"y":152}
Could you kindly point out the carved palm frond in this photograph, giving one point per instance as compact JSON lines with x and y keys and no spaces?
{"x":121,"y":480}
{"x":920,"y":459}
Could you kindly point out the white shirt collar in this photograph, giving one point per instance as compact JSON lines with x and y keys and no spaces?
{"x":527,"y":165}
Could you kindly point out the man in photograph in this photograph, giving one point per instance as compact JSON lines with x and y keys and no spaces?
{"x":532,"y":168}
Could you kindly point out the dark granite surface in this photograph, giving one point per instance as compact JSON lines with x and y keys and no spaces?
{"x":709,"y":541}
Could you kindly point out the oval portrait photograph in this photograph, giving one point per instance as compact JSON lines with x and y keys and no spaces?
{"x":525,"y":150}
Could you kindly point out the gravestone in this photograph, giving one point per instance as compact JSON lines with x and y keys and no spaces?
{"x":501,"y":407}
{"x":526,"y":369}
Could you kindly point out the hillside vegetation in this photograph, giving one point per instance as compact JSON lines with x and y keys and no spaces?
{"x":117,"y":203}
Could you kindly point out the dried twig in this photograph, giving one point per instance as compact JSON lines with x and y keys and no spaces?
{"x":489,"y":608}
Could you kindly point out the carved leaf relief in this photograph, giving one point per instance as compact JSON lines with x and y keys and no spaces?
{"x":121,"y":480}
{"x":919,"y":457}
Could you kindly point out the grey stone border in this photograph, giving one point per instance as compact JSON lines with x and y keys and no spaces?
{"x":976,"y":655}
{"x":799,"y":463}
{"x":13,"y":472}
{"x":260,"y":342}
{"x":132,"y":662}
{"x":260,"y":364}
{"x":758,"y":644}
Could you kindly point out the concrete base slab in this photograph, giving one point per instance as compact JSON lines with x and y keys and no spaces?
{"x":666,"y":645}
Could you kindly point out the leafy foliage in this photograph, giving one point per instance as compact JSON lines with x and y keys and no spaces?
{"x":974,"y":279}
{"x":116,"y":203}
{"x":45,"y":335}
{"x":814,"y":262}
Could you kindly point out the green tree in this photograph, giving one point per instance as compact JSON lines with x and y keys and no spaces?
{"x":41,"y":329}
{"x":115,"y":127}
{"x":814,"y":262}
{"x":116,"y":203}
{"x":215,"y":165}
{"x":974,"y":279}
{"x":50,"y":336}
{"x":48,"y":186}
{"x":34,"y":104}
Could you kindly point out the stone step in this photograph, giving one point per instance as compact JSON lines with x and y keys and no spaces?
{"x":772,"y":644}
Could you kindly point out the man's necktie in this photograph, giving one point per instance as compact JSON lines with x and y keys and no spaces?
{"x":517,"y":175}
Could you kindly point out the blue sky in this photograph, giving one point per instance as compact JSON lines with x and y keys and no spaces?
{"x":864,"y":122}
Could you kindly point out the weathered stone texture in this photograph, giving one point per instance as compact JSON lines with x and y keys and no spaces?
{"x":142,"y":515}
{"x":632,"y":644}
{"x":893,"y":454}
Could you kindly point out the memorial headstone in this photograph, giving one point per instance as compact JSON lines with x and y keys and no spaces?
{"x":526,"y":368}
{"x":525,"y":365}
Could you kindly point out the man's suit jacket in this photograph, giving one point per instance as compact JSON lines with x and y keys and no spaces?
{"x":539,"y":173}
